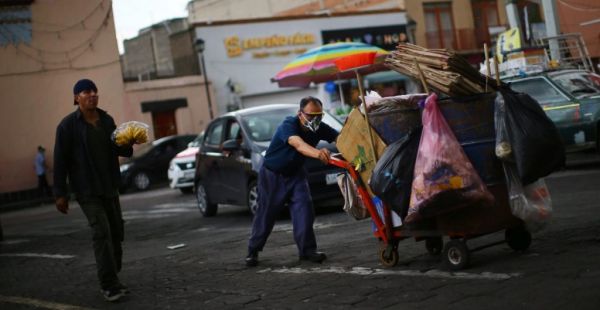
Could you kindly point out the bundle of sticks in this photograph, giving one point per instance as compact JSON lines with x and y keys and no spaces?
{"x":443,"y":71}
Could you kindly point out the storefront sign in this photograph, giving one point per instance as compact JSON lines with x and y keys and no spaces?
{"x":236,"y":46}
{"x":386,"y":37}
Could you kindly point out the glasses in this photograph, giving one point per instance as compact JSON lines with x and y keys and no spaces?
{"x":311,"y":116}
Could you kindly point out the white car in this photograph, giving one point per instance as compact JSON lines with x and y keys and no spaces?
{"x":182,"y":167}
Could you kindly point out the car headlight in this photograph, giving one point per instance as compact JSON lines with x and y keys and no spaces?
{"x":124,"y":167}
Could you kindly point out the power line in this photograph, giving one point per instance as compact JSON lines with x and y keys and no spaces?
{"x":79,"y":24}
{"x":59,"y":69}
{"x":69,"y":55}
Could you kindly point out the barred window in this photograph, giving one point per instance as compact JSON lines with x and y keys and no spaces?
{"x":15,"y":23}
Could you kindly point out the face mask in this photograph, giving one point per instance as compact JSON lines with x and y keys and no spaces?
{"x":312,"y":125}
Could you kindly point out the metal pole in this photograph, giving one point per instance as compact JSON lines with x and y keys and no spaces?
{"x":210,"y":110}
{"x":552,"y":27}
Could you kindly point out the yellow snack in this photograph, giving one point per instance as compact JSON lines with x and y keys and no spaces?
{"x":130,"y":133}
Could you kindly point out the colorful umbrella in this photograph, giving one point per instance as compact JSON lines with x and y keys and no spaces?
{"x":318,"y":64}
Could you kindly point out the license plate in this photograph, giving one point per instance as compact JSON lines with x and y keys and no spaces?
{"x":331,"y":178}
{"x":188,"y":174}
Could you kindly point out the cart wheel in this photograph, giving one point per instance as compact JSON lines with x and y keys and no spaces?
{"x":518,"y":238}
{"x":456,"y":255}
{"x":388,"y":256}
{"x":434,"y":245}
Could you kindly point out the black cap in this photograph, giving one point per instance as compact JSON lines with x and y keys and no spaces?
{"x":83,"y":84}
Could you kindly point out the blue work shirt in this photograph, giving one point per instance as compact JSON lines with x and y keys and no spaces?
{"x":284,"y":158}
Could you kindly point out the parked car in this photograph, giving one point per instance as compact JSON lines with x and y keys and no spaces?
{"x":182,"y":167}
{"x":571,"y":99}
{"x":231,"y":154}
{"x":149,"y":163}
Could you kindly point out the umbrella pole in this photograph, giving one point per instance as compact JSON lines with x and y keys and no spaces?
{"x":364,"y":102}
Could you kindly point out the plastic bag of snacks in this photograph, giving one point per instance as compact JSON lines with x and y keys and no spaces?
{"x":130,"y":133}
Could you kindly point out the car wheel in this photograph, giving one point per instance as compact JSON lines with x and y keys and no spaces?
{"x":141,"y":181}
{"x":207,"y":208}
{"x":252,"y":197}
{"x":186,"y":190}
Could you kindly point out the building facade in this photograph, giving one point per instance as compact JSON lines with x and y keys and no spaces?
{"x":201,"y":11}
{"x":242,"y":56}
{"x":148,"y":55}
{"x":37,"y":75}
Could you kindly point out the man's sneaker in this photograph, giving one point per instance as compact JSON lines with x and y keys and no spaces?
{"x":112,"y":294}
{"x":315,"y":257}
{"x":252,"y":259}
{"x":124,"y":289}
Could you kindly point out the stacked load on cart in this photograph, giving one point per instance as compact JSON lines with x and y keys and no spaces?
{"x":465,"y":165}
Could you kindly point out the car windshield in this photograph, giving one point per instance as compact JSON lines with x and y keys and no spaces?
{"x":262,"y":125}
{"x":540,"y":89}
{"x":579,"y":84}
{"x":197,"y":141}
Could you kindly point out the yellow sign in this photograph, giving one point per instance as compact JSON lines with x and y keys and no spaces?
{"x":235,"y":46}
{"x":509,"y":40}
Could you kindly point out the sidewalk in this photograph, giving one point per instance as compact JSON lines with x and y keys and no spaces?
{"x":24,"y":204}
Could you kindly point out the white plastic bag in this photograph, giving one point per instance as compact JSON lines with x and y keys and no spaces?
{"x":371,"y":97}
{"x":353,"y":205}
{"x":531,"y":203}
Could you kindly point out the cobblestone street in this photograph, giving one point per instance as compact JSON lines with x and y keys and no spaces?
{"x":46,"y":261}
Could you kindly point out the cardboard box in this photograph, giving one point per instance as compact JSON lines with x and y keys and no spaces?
{"x":355,"y":145}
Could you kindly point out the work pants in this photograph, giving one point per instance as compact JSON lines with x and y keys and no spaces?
{"x":274,"y":191}
{"x":105,"y":219}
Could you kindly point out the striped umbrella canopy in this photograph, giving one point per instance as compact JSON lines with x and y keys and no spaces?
{"x":317,"y":65}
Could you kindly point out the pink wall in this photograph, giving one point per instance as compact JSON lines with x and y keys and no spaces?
{"x":36,"y":82}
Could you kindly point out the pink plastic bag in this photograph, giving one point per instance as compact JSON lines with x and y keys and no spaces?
{"x":444,"y":178}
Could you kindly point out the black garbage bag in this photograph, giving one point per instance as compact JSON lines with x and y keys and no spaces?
{"x":392,"y":176}
{"x":534,"y":140}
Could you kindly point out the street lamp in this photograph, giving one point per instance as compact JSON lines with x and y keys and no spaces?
{"x":199,"y":46}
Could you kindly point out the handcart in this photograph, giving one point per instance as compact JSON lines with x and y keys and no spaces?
{"x":476,"y":137}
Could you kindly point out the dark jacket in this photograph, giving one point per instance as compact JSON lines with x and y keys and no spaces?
{"x":71,"y":155}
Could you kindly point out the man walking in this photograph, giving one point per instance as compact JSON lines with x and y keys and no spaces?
{"x":40,"y":171}
{"x":85,"y":156}
{"x":282,"y":179}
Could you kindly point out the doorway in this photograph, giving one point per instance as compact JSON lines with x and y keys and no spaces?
{"x":164,"y":123}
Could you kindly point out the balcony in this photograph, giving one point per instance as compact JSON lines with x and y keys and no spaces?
{"x":464,"y":39}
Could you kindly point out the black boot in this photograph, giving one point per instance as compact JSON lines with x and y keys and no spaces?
{"x":252,"y":259}
{"x":315,"y":257}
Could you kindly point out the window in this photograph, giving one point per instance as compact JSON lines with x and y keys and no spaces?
{"x":262,"y":126}
{"x":439,"y":25}
{"x":540,"y":89}
{"x":214,"y":134}
{"x":234,"y":131}
{"x":15,"y":24}
{"x":485,"y":15}
{"x":579,"y":84}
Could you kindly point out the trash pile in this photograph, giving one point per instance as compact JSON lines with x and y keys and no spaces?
{"x":432,"y":157}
